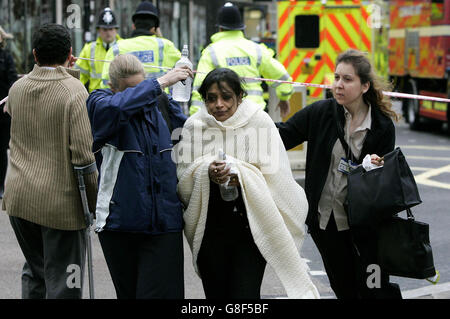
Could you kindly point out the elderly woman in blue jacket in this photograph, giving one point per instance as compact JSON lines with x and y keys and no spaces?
{"x":138,"y":213}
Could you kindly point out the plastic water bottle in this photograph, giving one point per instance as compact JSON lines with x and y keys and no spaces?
{"x":228,"y":193}
{"x":182,"y":89}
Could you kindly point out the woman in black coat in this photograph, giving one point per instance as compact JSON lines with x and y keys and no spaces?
{"x":8,"y":76}
{"x":359,"y":107}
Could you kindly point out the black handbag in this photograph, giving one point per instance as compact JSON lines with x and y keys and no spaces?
{"x":382,"y":192}
{"x":404,"y":248}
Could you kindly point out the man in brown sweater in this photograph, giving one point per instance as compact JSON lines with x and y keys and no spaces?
{"x":50,"y":133}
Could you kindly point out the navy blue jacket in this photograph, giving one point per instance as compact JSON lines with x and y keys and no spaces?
{"x":132,"y":144}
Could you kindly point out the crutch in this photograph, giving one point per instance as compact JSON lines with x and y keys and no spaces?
{"x":80,"y":171}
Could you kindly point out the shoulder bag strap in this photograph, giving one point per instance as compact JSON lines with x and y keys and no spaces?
{"x":340,"y":132}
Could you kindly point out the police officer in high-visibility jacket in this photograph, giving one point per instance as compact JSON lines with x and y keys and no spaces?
{"x":230,"y":49}
{"x":91,"y":71}
{"x":146,"y":43}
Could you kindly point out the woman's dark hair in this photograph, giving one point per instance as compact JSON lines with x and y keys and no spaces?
{"x":374,"y":95}
{"x":52,"y":44}
{"x":222,"y":75}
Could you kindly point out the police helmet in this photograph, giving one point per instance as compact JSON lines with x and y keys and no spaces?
{"x":107,"y":19}
{"x":229,"y":17}
{"x":144,"y":9}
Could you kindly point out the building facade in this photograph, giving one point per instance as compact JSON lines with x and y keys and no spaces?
{"x":189,"y":22}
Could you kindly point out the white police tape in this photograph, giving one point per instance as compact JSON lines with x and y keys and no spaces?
{"x":321,"y":86}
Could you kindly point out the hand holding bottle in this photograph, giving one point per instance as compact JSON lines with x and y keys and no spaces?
{"x":175,"y":75}
{"x":182,"y":89}
{"x":228,"y":192}
{"x":218,"y":172}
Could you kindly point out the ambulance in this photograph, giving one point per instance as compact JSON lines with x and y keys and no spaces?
{"x":311,"y":34}
{"x":419,"y":58}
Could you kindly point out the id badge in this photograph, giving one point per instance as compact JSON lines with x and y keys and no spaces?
{"x":346,"y":166}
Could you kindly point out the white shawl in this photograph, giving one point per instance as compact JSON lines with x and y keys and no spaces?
{"x":276,"y":205}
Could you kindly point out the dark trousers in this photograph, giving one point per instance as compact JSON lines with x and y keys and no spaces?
{"x":55,"y":260}
{"x":145,"y":266}
{"x":229,"y":262}
{"x":231,"y":266}
{"x":346,"y":256}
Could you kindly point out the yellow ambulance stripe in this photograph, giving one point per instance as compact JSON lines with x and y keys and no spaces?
{"x":340,"y":30}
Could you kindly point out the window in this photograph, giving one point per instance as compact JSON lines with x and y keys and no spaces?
{"x":307,"y":31}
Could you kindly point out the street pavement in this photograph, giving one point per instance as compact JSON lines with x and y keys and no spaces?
{"x":12,"y":261}
{"x":438,"y":291}
{"x":426,"y":152}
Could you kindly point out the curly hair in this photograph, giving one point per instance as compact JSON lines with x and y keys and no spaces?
{"x":52,"y":44}
{"x":374,"y":95}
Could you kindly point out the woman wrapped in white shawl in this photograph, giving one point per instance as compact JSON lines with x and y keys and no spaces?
{"x":232,"y":241}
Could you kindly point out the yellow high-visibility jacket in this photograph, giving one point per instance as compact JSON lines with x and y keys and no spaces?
{"x":230,"y":49}
{"x":92,"y":70}
{"x":149,"y":49}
